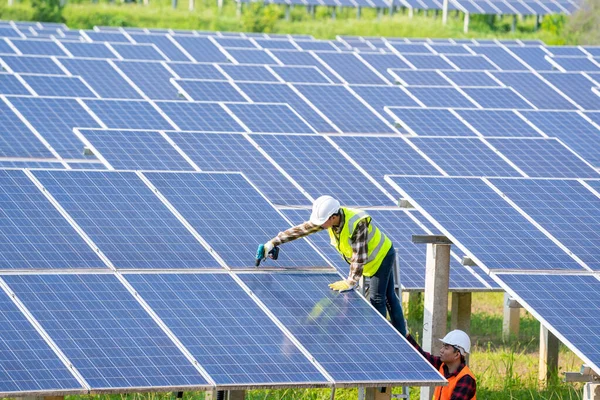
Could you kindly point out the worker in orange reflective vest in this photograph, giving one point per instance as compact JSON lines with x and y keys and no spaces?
{"x":451,"y":364}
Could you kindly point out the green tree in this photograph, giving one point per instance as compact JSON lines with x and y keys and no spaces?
{"x":584,"y":25}
{"x":47,"y":10}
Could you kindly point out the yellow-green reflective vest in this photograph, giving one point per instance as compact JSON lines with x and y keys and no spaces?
{"x":378,"y":244}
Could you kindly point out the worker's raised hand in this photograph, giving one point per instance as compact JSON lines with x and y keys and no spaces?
{"x":341,"y":286}
{"x":264,"y":251}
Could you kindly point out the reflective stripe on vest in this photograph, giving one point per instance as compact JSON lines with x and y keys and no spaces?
{"x":378,"y":244}
{"x":445,"y":392}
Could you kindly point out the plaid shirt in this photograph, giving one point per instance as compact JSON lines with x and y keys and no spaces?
{"x":465,"y":388}
{"x":359,"y":239}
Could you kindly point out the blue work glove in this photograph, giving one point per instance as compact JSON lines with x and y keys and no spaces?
{"x":263,"y":252}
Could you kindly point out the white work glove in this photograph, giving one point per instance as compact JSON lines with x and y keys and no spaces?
{"x":268,"y":247}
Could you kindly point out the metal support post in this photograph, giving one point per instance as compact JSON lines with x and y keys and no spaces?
{"x":510,"y":323}
{"x":287,"y":12}
{"x":191,"y":5}
{"x":548,"y":355}
{"x":445,"y":12}
{"x":378,"y":393}
{"x":333,"y":11}
{"x":437,"y":277}
{"x":466,"y":23}
{"x":591,"y":391}
{"x":358,"y":12}
{"x":174,"y":4}
{"x":513,"y":25}
{"x":460,"y":316}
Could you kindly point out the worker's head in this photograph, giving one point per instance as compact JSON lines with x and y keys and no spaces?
{"x":455,"y":345}
{"x":324,"y":210}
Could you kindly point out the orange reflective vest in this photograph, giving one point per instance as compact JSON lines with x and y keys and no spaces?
{"x":445,"y":392}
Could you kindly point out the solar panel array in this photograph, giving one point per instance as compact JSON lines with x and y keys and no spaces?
{"x":143,"y":167}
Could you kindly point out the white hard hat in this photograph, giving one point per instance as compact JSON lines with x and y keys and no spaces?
{"x":323,"y":208}
{"x":458,"y":339}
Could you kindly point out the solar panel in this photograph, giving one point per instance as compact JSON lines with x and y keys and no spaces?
{"x":38,"y":47}
{"x":232,"y":338}
{"x":233,"y":152}
{"x":275,"y":44}
{"x":211,"y":90}
{"x":534,"y":57}
{"x":102,"y":77}
{"x":126,"y":220}
{"x":86,"y":165}
{"x":577,"y":87}
{"x":381,"y":96}
{"x":152,"y":78}
{"x":9,"y":84}
{"x":32,"y":64}
{"x":565,"y":51}
{"x":499,"y":57}
{"x":270,"y":118}
{"x":449,"y":49}
{"x":126,"y":114}
{"x":411,"y":48}
{"x":104,"y":331}
{"x":33,"y":235}
{"x":301,"y":74}
{"x":430,"y":122}
{"x":54,"y":119}
{"x":196,"y":71}
{"x":461,"y":156}
{"x":471,"y":62}
{"x":228,"y":42}
{"x":344,"y":110}
{"x":308,"y":159}
{"x":566,"y":304}
{"x":142,"y":51}
{"x":232,"y":217}
{"x":441,"y":97}
{"x":318,"y":45}
{"x":191,"y":116}
{"x":566,"y":209}
{"x":112,"y":37}
{"x":29,"y":364}
{"x":476,"y":218}
{"x":168,"y":47}
{"x":16,"y":140}
{"x":305,"y":58}
{"x":498,"y":123}
{"x":247,"y":56}
{"x":419,"y":77}
{"x":534,"y":90}
{"x":499,"y":97}
{"x":54,"y":164}
{"x":428,"y":61}
{"x":543,"y":158}
{"x":349,"y":67}
{"x":256,"y":73}
{"x":89,"y":50}
{"x":383,"y":62}
{"x":282,"y":93}
{"x":60,"y":86}
{"x":8,"y":31}
{"x":577,"y":64}
{"x":201,"y":49}
{"x":471,"y":78}
{"x":336,"y":322}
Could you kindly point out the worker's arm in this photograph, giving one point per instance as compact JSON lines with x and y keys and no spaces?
{"x":296,"y":232}
{"x":435,"y":361}
{"x":465,"y":389}
{"x":360,"y":252}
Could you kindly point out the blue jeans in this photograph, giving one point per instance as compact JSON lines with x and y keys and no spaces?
{"x":382,"y":294}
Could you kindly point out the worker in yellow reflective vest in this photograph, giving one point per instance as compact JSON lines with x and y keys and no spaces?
{"x":368,"y":251}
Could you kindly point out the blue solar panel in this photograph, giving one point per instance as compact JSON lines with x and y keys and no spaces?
{"x":577,"y":87}
{"x":381,"y":96}
{"x":301,"y":74}
{"x":411,"y":48}
{"x":383,"y":62}
{"x":232,"y":338}
{"x":535,"y":90}
{"x":164,"y":44}
{"x":349,"y":67}
{"x":33,"y":234}
{"x":101,"y":76}
{"x":302,"y":58}
{"x":336,"y":322}
{"x":565,"y":51}
{"x":142,"y":51}
{"x":534,"y":57}
{"x":577,"y":64}
{"x":499,"y":57}
{"x":113,"y":37}
{"x":498,"y":123}
{"x":255,"y":73}
{"x":344,"y":110}
{"x":196,"y":71}
{"x":16,"y":140}
{"x":471,"y":78}
{"x":54,"y":119}
{"x":464,"y":157}
{"x":87,"y":165}
{"x":308,"y":159}
{"x":211,"y":90}
{"x":235,"y":43}
{"x":570,"y":128}
{"x":38,"y":47}
{"x":497,"y":98}
{"x":430,"y":122}
{"x":419,"y":77}
{"x":54,"y":164}
{"x":441,"y":97}
{"x":59,"y":86}
{"x":275,"y":44}
{"x":233,"y":152}
{"x":136,"y":150}
{"x":471,"y":62}
{"x":28,"y":363}
{"x":90,"y":50}
{"x":201,"y":49}
{"x":232,"y":217}
{"x":270,"y":118}
{"x":9,"y":84}
{"x":428,"y":61}
{"x":104,"y":331}
{"x":127,"y":114}
{"x":543,"y":158}
{"x":318,"y":45}
{"x":282,"y":93}
{"x":152,"y":78}
{"x":478,"y":219}
{"x":206,"y":117}
{"x":566,"y":304}
{"x":32,"y":64}
{"x":8,"y":31}
{"x":566,"y":209}
{"x":126,"y":220}
{"x":247,"y":56}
